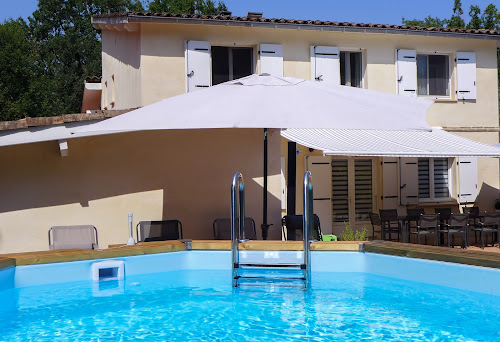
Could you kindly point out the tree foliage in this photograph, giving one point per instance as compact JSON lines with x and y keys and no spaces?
{"x":43,"y":63}
{"x":456,"y":20}
{"x":187,"y":6}
{"x":427,"y":22}
{"x":475,"y":19}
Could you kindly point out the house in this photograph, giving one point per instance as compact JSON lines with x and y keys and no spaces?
{"x":147,"y":57}
{"x":56,"y":180}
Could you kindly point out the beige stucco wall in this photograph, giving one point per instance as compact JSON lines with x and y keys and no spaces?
{"x":183,"y":174}
{"x":121,"y":69}
{"x":162,"y":49}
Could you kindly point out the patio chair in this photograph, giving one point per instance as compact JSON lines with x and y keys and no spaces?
{"x":444,"y":214}
{"x":428,"y":226}
{"x":413,"y":216}
{"x":73,"y":237}
{"x":457,"y":225}
{"x":390,"y":223}
{"x":222,"y":229}
{"x":490,"y":224}
{"x":293,"y":228}
{"x":148,"y":231}
{"x":375,"y":221}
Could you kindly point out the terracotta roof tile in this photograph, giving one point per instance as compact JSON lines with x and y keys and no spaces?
{"x":294,"y":21}
{"x":61,"y":119}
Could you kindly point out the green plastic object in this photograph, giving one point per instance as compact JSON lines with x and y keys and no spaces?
{"x":329,"y":237}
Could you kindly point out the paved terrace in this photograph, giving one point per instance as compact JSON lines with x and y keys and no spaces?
{"x":455,"y":255}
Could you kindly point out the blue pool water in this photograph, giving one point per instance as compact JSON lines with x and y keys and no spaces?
{"x":200,"y":305}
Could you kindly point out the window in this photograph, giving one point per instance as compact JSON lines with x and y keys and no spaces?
{"x":433,"y":75}
{"x":350,"y":69}
{"x":433,"y":179}
{"x":230,"y":63}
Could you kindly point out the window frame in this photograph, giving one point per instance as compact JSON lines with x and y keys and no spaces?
{"x":230,"y":46}
{"x":350,"y":50}
{"x":450,"y":70}
{"x":433,"y":199}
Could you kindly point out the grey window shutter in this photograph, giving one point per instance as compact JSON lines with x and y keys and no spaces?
{"x":271,"y":59}
{"x":467,"y":179}
{"x":409,"y":181}
{"x":197,"y":65}
{"x":390,"y":190}
{"x":321,"y":172}
{"x":325,"y":64}
{"x":466,"y":75}
{"x":406,"y":64}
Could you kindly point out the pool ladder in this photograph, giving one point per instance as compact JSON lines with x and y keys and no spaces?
{"x":295,"y":271}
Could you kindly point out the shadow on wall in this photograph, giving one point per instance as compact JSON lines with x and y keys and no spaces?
{"x":194,"y":169}
{"x":486,"y":198}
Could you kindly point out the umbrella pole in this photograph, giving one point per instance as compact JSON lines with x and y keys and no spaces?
{"x":265,"y":225}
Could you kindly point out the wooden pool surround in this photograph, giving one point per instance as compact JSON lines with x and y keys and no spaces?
{"x":460,"y":256}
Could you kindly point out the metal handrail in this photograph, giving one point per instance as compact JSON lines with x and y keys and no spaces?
{"x":237,"y":221}
{"x":308,"y":222}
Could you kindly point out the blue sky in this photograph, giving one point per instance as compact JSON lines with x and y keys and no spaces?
{"x":365,"y":11}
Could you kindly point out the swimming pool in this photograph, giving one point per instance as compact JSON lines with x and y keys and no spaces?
{"x":187,"y":296}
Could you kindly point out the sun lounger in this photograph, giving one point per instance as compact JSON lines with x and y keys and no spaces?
{"x":159,"y":230}
{"x":73,"y":237}
{"x":222,"y":229}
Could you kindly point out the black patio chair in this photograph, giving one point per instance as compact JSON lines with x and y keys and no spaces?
{"x":376,"y":222}
{"x":390,"y":223}
{"x":159,"y":230}
{"x":413,"y":216}
{"x":457,"y":225}
{"x":222,"y":229}
{"x":428,"y":226}
{"x":293,"y":228}
{"x":490,"y":224}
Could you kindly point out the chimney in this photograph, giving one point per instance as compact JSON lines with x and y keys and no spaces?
{"x":254,"y":15}
{"x":226,"y":13}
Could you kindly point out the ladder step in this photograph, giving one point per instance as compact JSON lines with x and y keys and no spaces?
{"x":249,"y":265}
{"x":269,"y":279}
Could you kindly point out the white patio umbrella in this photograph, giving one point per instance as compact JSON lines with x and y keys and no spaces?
{"x":264,"y":101}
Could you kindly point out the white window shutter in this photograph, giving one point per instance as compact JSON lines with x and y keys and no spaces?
{"x":325,"y":64}
{"x":466,"y":75}
{"x":321,"y":175}
{"x":271,"y":59}
{"x":467,"y":179}
{"x":407,"y":72}
{"x":390,"y":192}
{"x":198,"y":65}
{"x":409,"y":180}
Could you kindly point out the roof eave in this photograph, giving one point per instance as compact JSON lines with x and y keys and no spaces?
{"x":99,"y":23}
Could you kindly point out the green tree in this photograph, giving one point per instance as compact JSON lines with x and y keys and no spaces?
{"x":475,"y":20}
{"x":187,"y":6}
{"x":491,"y":18}
{"x":456,"y":20}
{"x":427,"y":22}
{"x":16,"y":70}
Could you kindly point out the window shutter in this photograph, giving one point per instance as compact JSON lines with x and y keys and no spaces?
{"x":466,"y":75}
{"x":467,"y":179}
{"x":321,"y":172}
{"x":271,"y":59}
{"x":198,"y":65}
{"x":390,"y":182}
{"x":409,"y":181}
{"x":407,"y":72}
{"x":325,"y":64}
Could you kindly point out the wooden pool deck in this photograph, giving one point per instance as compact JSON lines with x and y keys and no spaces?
{"x":468,"y":257}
